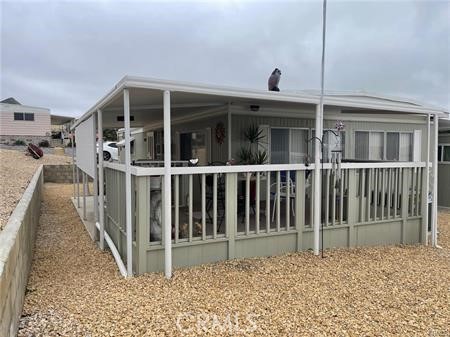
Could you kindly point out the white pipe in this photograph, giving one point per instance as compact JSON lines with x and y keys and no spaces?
{"x":115,"y":252}
{"x":126,"y":108}
{"x":101,"y":213}
{"x":434,"y":214}
{"x":167,"y":189}
{"x":427,"y":177}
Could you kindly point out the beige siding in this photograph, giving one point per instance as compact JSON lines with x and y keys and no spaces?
{"x":9,"y":127}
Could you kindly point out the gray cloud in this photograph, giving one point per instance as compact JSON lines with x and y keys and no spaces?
{"x":66,"y":55}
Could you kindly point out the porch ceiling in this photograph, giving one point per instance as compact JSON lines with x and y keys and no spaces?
{"x":146,"y":105}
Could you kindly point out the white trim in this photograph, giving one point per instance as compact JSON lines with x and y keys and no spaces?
{"x":434,"y":215}
{"x":101,"y":193}
{"x":156,"y":84}
{"x":115,"y":252}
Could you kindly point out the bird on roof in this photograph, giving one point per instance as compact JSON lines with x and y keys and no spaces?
{"x":274,"y":79}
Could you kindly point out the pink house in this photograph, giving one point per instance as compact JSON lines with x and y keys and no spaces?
{"x":22,"y":122}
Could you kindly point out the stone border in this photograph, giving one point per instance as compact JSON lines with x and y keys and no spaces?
{"x":16,"y":254}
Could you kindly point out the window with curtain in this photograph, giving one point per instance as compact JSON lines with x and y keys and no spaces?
{"x":362,"y":145}
{"x":392,"y":146}
{"x":376,"y":143}
{"x":405,"y":148}
{"x":279,"y":146}
{"x":298,"y":146}
{"x":331,"y":142}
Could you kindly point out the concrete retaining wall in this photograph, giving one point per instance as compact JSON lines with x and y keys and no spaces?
{"x":16,"y":254}
{"x":58,"y":174}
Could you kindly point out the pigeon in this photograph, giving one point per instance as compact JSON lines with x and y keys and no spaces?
{"x":274,"y":79}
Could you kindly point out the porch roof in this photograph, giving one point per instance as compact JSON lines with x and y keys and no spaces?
{"x":146,"y":98}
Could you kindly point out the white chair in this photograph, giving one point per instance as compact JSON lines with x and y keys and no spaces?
{"x":283,"y":194}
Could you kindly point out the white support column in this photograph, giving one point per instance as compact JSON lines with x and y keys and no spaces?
{"x":317,"y":182}
{"x":95,"y":177}
{"x":83,"y":175}
{"x":434,"y":207}
{"x":101,"y":192}
{"x":167,"y":189}
{"x":73,"y":172}
{"x":427,"y":179}
{"x":229,"y":132}
{"x":126,"y":109}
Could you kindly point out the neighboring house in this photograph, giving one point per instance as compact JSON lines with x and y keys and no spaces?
{"x":444,"y":164}
{"x":60,"y":129}
{"x":218,"y":205}
{"x":23,"y":122}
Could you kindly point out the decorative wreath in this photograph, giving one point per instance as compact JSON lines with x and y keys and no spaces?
{"x":220,"y":133}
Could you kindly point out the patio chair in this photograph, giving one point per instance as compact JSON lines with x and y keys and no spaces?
{"x":283,"y":193}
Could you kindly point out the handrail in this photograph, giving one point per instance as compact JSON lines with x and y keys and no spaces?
{"x":158,"y":171}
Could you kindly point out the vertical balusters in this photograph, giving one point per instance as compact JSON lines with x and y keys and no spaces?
{"x":419,"y":190}
{"x":369,"y":192}
{"x":191,"y":197}
{"x":327,"y":197}
{"x":214,"y":205}
{"x":375,"y":194}
{"x":389,"y":202}
{"x":333,"y":204}
{"x":247,"y":203}
{"x":278,"y":200}
{"x":257,"y":202}
{"x":396,"y":179}
{"x":203,"y":206}
{"x":288,"y":200}
{"x":268,"y":202}
{"x":362,"y":190}
{"x":177,"y":206}
{"x":341,"y":195}
{"x":383,"y":190}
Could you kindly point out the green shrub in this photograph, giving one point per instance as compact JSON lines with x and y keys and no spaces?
{"x":19,"y":142}
{"x":44,"y":143}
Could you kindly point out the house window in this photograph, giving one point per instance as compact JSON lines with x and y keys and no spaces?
{"x":23,"y":116}
{"x":444,"y":153}
{"x":29,"y":116}
{"x":193,"y":145}
{"x":122,"y":118}
{"x":288,"y":145}
{"x":331,"y":143}
{"x":377,"y":145}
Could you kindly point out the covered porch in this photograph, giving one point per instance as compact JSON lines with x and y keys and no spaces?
{"x":182,"y":213}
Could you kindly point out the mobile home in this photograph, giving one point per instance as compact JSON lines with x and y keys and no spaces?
{"x":211,"y":173}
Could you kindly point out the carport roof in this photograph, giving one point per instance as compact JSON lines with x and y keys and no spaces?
{"x":146,"y":93}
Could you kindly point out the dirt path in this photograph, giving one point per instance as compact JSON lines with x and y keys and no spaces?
{"x":76,"y":290}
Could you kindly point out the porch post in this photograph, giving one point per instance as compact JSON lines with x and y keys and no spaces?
{"x":95,"y":177}
{"x":434,"y":214}
{"x":229,"y":132}
{"x":167,"y":189}
{"x":317,"y":181}
{"x":126,"y":109}
{"x":73,"y":171}
{"x":426,"y":188}
{"x":101,"y":192}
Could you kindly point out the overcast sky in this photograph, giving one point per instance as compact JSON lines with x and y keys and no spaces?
{"x":66,"y":55}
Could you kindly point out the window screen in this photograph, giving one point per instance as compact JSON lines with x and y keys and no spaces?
{"x":376,"y":142}
{"x":405,"y":149}
{"x":299,"y":146}
{"x":392,"y":146}
{"x":361,"y":145}
{"x":279,"y":147}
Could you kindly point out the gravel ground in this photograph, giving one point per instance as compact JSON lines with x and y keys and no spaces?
{"x":16,"y":171}
{"x":75,"y":290}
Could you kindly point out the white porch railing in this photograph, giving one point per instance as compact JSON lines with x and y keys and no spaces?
{"x":217,"y":203}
